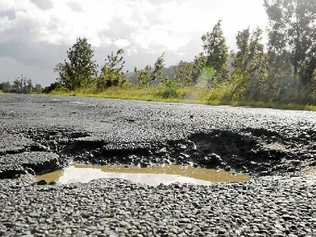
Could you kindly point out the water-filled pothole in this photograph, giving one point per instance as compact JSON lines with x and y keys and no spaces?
{"x":150,"y":176}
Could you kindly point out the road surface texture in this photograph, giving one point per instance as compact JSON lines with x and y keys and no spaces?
{"x":39,"y":134}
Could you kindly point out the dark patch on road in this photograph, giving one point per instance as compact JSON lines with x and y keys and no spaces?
{"x":254,"y":150}
{"x":217,"y":149}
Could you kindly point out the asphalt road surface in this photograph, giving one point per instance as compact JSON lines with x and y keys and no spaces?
{"x":39,"y":134}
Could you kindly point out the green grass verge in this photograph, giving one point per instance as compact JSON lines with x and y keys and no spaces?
{"x":262,"y":104}
{"x":184,"y":95}
{"x":178,"y":95}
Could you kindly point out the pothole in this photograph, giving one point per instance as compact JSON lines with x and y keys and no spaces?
{"x":150,"y":176}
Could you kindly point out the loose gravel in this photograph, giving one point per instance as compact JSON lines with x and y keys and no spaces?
{"x":56,"y":130}
{"x":263,"y":207}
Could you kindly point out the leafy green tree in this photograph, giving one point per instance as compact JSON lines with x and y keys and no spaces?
{"x":79,"y":68}
{"x":250,"y":64}
{"x":292,"y":35}
{"x":144,"y":76}
{"x":189,"y":73}
{"x":21,"y":85}
{"x":250,"y":58}
{"x":37,"y":88}
{"x":151,"y":75}
{"x":52,"y":87}
{"x":216,"y":51}
{"x":199,"y":63}
{"x":184,"y":73}
{"x":242,"y":55}
{"x":207,"y":77}
{"x":6,"y":86}
{"x":29,"y":87}
{"x":169,"y":89}
{"x":112,"y":73}
{"x":157,"y":74}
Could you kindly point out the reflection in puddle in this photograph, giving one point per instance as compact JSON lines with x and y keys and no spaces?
{"x":150,"y":176}
{"x":311,"y":171}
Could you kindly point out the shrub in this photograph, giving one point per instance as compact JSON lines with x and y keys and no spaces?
{"x":56,"y":86}
{"x":169,"y":89}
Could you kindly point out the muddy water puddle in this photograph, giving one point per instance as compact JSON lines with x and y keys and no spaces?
{"x":311,"y":171}
{"x":151,"y":176}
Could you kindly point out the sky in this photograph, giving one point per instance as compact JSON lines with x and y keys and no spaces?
{"x":35,"y":34}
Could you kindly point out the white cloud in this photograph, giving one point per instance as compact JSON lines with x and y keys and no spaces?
{"x":142,"y":27}
{"x":75,"y":6}
{"x":44,"y":5}
{"x":166,"y":24}
{"x":122,"y":43}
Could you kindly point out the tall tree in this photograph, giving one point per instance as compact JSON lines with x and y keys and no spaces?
{"x":157,"y":74}
{"x":79,"y":67}
{"x":250,"y":51}
{"x":22,"y":85}
{"x":199,"y":63}
{"x":144,"y":76}
{"x":184,"y":73}
{"x":250,"y":66}
{"x":112,"y":73}
{"x":292,"y":35}
{"x":242,"y":42}
{"x":6,"y":86}
{"x":215,"y":49}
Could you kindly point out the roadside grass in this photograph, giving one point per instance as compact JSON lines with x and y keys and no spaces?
{"x":189,"y":95}
{"x":1,"y":92}
{"x":159,"y":93}
{"x":262,"y":104}
{"x":226,"y":94}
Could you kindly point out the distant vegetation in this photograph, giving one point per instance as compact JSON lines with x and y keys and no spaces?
{"x":21,"y":85}
{"x":282,"y":72}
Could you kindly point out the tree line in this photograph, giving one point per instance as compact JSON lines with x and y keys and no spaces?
{"x":283,"y":70}
{"x":21,"y":85}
